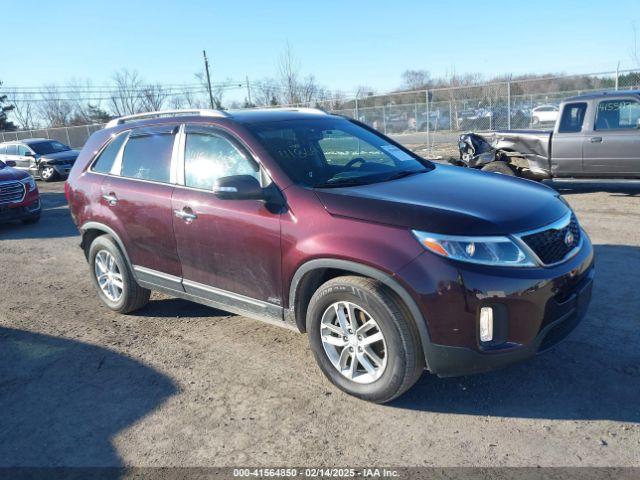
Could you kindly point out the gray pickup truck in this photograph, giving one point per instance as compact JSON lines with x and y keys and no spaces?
{"x":596,"y":135}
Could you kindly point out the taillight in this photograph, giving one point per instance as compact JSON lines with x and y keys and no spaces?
{"x":67,"y":191}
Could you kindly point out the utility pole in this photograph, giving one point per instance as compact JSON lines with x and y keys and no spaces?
{"x":249,"y":92}
{"x":206,"y":69}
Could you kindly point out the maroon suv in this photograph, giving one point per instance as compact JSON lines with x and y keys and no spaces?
{"x":19,"y":196}
{"x":312,"y":221}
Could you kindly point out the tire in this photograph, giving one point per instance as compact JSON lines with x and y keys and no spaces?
{"x":31,"y":220}
{"x":499,"y":167}
{"x":48,"y":174}
{"x":400,"y":350}
{"x":132,"y":296}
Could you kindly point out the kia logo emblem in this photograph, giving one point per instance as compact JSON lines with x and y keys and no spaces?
{"x":568,"y":239}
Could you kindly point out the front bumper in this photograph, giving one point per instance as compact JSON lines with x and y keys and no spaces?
{"x":540,"y":306}
{"x":29,"y":207}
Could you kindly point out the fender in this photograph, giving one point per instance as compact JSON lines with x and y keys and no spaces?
{"x":106,"y":229}
{"x":365,"y":270}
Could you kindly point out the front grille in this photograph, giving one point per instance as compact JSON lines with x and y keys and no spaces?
{"x":11,"y":192}
{"x":550,"y":245}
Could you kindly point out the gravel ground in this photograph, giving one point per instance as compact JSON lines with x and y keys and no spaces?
{"x":180,"y":384}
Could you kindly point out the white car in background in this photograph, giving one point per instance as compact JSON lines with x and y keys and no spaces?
{"x":544,"y":114}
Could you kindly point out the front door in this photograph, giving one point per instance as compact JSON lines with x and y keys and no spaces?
{"x":613,"y":148}
{"x":567,"y":140}
{"x":229,"y":249}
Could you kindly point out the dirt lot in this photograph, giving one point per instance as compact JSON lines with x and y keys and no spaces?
{"x":184,"y":385}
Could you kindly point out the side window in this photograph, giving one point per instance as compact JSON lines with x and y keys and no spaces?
{"x":12,"y":149}
{"x":618,"y":114}
{"x":209,"y":156}
{"x":22,"y":150}
{"x":147,"y":155}
{"x":572,"y":117}
{"x":3,"y":149}
{"x":105,"y":160}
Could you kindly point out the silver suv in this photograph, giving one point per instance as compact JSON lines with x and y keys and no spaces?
{"x":43,"y":158}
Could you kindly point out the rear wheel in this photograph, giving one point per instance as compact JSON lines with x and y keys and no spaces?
{"x":48,"y":174}
{"x":362,"y":340}
{"x":113,"y":279}
{"x":499,"y":167}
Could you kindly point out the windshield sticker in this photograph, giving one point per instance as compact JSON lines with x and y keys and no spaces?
{"x":396,"y":153}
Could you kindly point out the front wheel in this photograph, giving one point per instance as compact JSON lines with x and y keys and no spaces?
{"x":48,"y":174}
{"x":499,"y":167}
{"x":113,"y":279}
{"x":362,"y":340}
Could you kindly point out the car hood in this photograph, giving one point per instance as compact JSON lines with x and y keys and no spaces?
{"x":8,"y":173}
{"x":68,"y":155}
{"x":450,"y":200}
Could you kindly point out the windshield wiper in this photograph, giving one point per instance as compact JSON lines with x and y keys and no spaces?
{"x":342,"y":182}
{"x":403,"y":174}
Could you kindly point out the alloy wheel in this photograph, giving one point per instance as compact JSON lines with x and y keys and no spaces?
{"x":353,"y":342}
{"x":108,"y":275}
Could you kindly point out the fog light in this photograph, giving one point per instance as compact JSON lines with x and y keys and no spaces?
{"x":486,"y":324}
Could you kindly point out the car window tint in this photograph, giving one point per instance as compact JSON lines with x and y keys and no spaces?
{"x":12,"y":149}
{"x":209,"y":157}
{"x":106,"y":158}
{"x":147,"y":156}
{"x":617,"y":114}
{"x":572,"y":117}
{"x":22,"y":150}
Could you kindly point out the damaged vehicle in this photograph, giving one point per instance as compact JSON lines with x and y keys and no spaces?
{"x":596,"y":135}
{"x":42,"y":158}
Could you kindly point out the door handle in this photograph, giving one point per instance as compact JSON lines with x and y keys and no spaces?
{"x":110,"y":198}
{"x":596,"y":139}
{"x":186,"y":214}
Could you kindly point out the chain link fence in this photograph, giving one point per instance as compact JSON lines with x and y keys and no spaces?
{"x":433,"y":119}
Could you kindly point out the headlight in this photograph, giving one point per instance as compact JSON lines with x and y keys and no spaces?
{"x":500,"y":251}
{"x":29,"y":183}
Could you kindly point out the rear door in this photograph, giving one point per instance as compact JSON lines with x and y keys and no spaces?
{"x":567,"y":140}
{"x":229,"y":249}
{"x":137,"y":194}
{"x":612,"y":149}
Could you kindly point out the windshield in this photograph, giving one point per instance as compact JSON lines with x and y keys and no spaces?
{"x":334,"y":152}
{"x":44,"y":148}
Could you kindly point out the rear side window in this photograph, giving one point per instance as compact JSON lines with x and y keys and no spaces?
{"x":618,"y":114}
{"x":572,"y":117}
{"x":209,"y":156}
{"x":106,"y":158}
{"x":3,"y":149}
{"x":12,"y":150}
{"x":147,"y":156}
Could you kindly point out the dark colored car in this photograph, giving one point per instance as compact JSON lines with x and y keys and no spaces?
{"x":45,"y":159}
{"x":391,"y":263}
{"x":19,"y":196}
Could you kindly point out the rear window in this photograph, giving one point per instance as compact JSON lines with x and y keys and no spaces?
{"x":147,"y":156}
{"x":572,"y":117}
{"x":106,"y":158}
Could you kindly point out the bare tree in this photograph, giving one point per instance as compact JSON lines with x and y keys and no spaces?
{"x":288,"y":70}
{"x":24,"y":109}
{"x":416,"y":79}
{"x":53,"y":107}
{"x":266,"y":92}
{"x":126,"y":98}
{"x":153,"y":97}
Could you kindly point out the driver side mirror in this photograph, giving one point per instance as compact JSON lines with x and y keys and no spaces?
{"x":29,"y":154}
{"x":238,"y":187}
{"x":10,"y":163}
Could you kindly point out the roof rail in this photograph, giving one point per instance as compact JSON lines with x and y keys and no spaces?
{"x":296,"y":109}
{"x":166,"y":113}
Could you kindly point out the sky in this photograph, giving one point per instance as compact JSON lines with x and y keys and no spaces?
{"x":343,"y":43}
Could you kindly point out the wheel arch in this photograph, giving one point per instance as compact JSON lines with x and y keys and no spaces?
{"x":92,"y":230}
{"x":309,"y":276}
